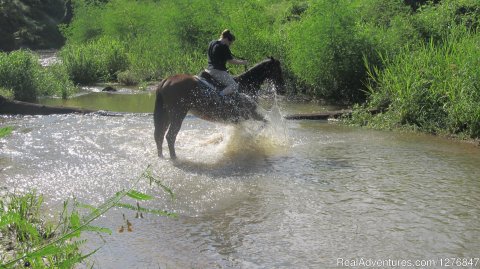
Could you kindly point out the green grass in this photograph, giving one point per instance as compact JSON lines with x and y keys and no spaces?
{"x":22,"y":76}
{"x":162,"y":38}
{"x":434,"y":88}
{"x":97,"y":60}
{"x":4,"y":131}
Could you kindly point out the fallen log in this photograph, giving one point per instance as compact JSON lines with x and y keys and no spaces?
{"x":325,"y":115}
{"x":25,"y":108}
{"x":319,"y":115}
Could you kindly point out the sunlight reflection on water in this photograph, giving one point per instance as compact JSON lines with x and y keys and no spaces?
{"x":293,"y":194}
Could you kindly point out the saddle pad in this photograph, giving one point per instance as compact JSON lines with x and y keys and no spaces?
{"x":206,"y":83}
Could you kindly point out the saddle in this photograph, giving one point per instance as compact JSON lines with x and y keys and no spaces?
{"x":204,"y":76}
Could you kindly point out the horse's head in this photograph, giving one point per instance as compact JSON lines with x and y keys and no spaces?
{"x":275,"y":75}
{"x":268,"y":70}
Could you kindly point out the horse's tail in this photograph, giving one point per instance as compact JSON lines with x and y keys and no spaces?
{"x":160,"y":119}
{"x":159,"y":111}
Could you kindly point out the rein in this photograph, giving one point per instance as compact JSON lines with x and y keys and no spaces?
{"x":241,"y":58}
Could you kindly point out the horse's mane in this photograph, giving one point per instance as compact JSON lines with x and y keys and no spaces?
{"x":254,"y":71}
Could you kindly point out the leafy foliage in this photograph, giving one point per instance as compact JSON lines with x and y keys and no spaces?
{"x":4,"y":131}
{"x":47,"y":245}
{"x":101,"y":59}
{"x":325,"y":51}
{"x":434,"y":88}
{"x":22,"y":74}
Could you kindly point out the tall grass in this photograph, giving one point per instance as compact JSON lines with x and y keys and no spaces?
{"x":97,"y":60}
{"x":434,"y":88}
{"x":319,"y":42}
{"x":22,"y":75}
{"x":325,"y":51}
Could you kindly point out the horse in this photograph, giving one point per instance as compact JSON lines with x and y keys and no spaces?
{"x":179,"y":94}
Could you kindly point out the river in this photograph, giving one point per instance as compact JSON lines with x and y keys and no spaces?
{"x":296,"y":194}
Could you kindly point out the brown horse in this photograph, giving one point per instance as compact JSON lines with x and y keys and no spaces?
{"x":179,"y":94}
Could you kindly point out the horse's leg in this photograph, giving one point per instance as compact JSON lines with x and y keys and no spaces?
{"x":161,"y":121}
{"x":175,"y":125}
{"x":161,"y":126}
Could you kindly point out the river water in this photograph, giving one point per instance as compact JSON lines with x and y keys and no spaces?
{"x":296,"y":194}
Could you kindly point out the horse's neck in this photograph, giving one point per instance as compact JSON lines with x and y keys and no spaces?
{"x":253,"y":77}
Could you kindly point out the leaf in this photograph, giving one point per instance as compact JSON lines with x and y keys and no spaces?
{"x":75,"y":220}
{"x":139,"y":196}
{"x":87,"y":206}
{"x":153,"y":179}
{"x":46,"y":251}
{"x":126,"y":206}
{"x":147,"y":210}
{"x":105,"y":206}
{"x":4,"y":131}
{"x":97,"y":229}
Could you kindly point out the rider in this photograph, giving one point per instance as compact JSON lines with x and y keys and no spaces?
{"x":218,"y":55}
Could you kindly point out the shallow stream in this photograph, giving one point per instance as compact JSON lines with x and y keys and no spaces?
{"x":297,"y":194}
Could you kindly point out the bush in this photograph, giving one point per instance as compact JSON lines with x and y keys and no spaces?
{"x":6,"y":93}
{"x":165,"y":38}
{"x":325,"y":51}
{"x":32,"y":242}
{"x":434,"y":22}
{"x":435,"y":88}
{"x":22,"y":74}
{"x":20,"y":71}
{"x":97,"y":60}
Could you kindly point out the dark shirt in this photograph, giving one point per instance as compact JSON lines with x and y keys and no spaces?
{"x":218,"y":55}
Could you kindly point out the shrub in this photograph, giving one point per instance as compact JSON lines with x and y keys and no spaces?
{"x":22,"y":74}
{"x":434,"y":88}
{"x":325,"y":52}
{"x":38,"y":244}
{"x":6,"y":93}
{"x":434,"y":22}
{"x":97,"y":60}
{"x":19,"y":71}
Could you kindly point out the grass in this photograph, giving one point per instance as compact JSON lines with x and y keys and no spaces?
{"x":29,"y":241}
{"x":433,"y":89}
{"x":97,"y":60}
{"x":5,"y":131}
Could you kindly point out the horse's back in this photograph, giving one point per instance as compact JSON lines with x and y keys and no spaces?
{"x":179,"y":80}
{"x":176,"y":87}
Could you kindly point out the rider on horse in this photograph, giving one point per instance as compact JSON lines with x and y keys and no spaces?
{"x":218,"y":55}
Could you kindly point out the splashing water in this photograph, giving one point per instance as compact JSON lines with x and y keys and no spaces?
{"x":252,"y":139}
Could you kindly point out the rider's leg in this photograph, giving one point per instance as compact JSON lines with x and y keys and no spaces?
{"x":226,"y":79}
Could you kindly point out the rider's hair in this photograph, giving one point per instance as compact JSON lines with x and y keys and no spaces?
{"x":228,"y":35}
